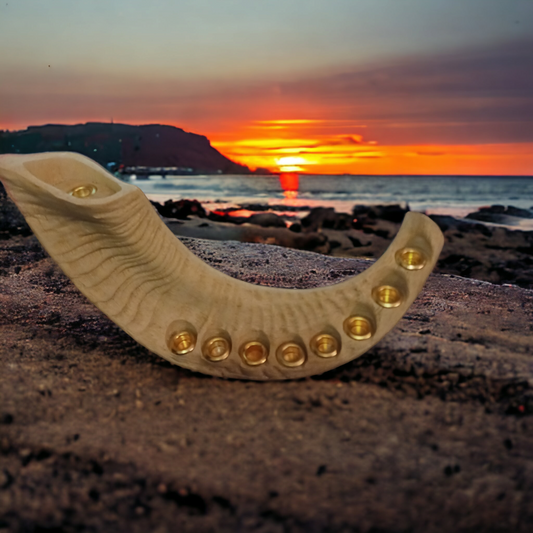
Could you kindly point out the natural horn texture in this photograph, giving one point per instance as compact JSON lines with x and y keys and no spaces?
{"x":110,"y":241}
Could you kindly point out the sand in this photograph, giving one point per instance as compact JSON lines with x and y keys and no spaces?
{"x":431,"y":431}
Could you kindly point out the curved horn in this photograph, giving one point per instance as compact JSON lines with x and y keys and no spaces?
{"x":107,"y":237}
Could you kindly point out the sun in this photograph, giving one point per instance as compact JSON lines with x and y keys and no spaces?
{"x":291,"y":163}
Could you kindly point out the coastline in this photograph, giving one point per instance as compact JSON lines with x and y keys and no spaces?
{"x":492,"y":244}
{"x":498,"y":248}
{"x":447,"y":195}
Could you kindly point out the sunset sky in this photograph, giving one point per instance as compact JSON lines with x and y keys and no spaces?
{"x":318,"y":86}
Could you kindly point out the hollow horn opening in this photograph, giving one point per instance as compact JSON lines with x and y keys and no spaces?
{"x":73,"y":177}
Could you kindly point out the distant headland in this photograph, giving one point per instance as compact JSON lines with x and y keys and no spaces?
{"x":122,"y":145}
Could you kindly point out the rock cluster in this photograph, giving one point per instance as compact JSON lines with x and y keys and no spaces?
{"x":472,"y":249}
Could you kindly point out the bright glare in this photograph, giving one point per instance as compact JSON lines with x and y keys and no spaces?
{"x":290,"y":168}
{"x":290,"y":161}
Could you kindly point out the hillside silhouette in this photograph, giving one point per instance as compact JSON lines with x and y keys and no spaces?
{"x":151,"y":145}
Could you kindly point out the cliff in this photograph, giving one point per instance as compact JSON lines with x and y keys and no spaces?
{"x":147,"y":145}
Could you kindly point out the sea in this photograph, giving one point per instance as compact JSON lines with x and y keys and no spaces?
{"x":447,"y":195}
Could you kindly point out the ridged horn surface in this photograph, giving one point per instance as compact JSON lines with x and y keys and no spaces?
{"x":109,"y":240}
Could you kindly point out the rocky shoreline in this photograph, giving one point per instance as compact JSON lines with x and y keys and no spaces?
{"x":430,"y":431}
{"x":488,"y":250}
{"x":480,"y":246}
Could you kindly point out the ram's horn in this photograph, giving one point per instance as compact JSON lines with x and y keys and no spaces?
{"x":111,"y":243}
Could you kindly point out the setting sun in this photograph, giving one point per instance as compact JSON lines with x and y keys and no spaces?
{"x":292,"y":164}
{"x":339,"y":147}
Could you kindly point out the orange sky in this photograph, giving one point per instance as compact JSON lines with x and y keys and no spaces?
{"x":466,"y":111}
{"x":321,"y":147}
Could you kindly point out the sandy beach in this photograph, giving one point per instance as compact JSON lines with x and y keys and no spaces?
{"x":430,"y":431}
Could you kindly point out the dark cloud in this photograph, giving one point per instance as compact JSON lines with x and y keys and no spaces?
{"x":480,"y":96}
{"x":484,"y":94}
{"x":497,"y":71}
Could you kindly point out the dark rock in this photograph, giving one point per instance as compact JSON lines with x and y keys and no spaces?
{"x":180,"y":209}
{"x":356,"y":242}
{"x":11,"y":220}
{"x":326,"y":217}
{"x":267,"y":220}
{"x":496,"y":209}
{"x":321,"y":470}
{"x":392,"y":213}
{"x":444,"y":222}
{"x":481,"y":228}
{"x":275,"y":207}
{"x":369,"y":230}
{"x":499,"y":214}
{"x":517,"y":212}
{"x":296,"y":227}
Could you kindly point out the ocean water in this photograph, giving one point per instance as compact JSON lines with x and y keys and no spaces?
{"x":454,"y":195}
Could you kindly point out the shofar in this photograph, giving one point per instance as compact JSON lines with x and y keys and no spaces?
{"x":109,"y":240}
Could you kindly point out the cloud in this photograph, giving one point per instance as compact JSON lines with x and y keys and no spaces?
{"x":471,"y":96}
{"x":485,"y":95}
{"x":504,"y":69}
